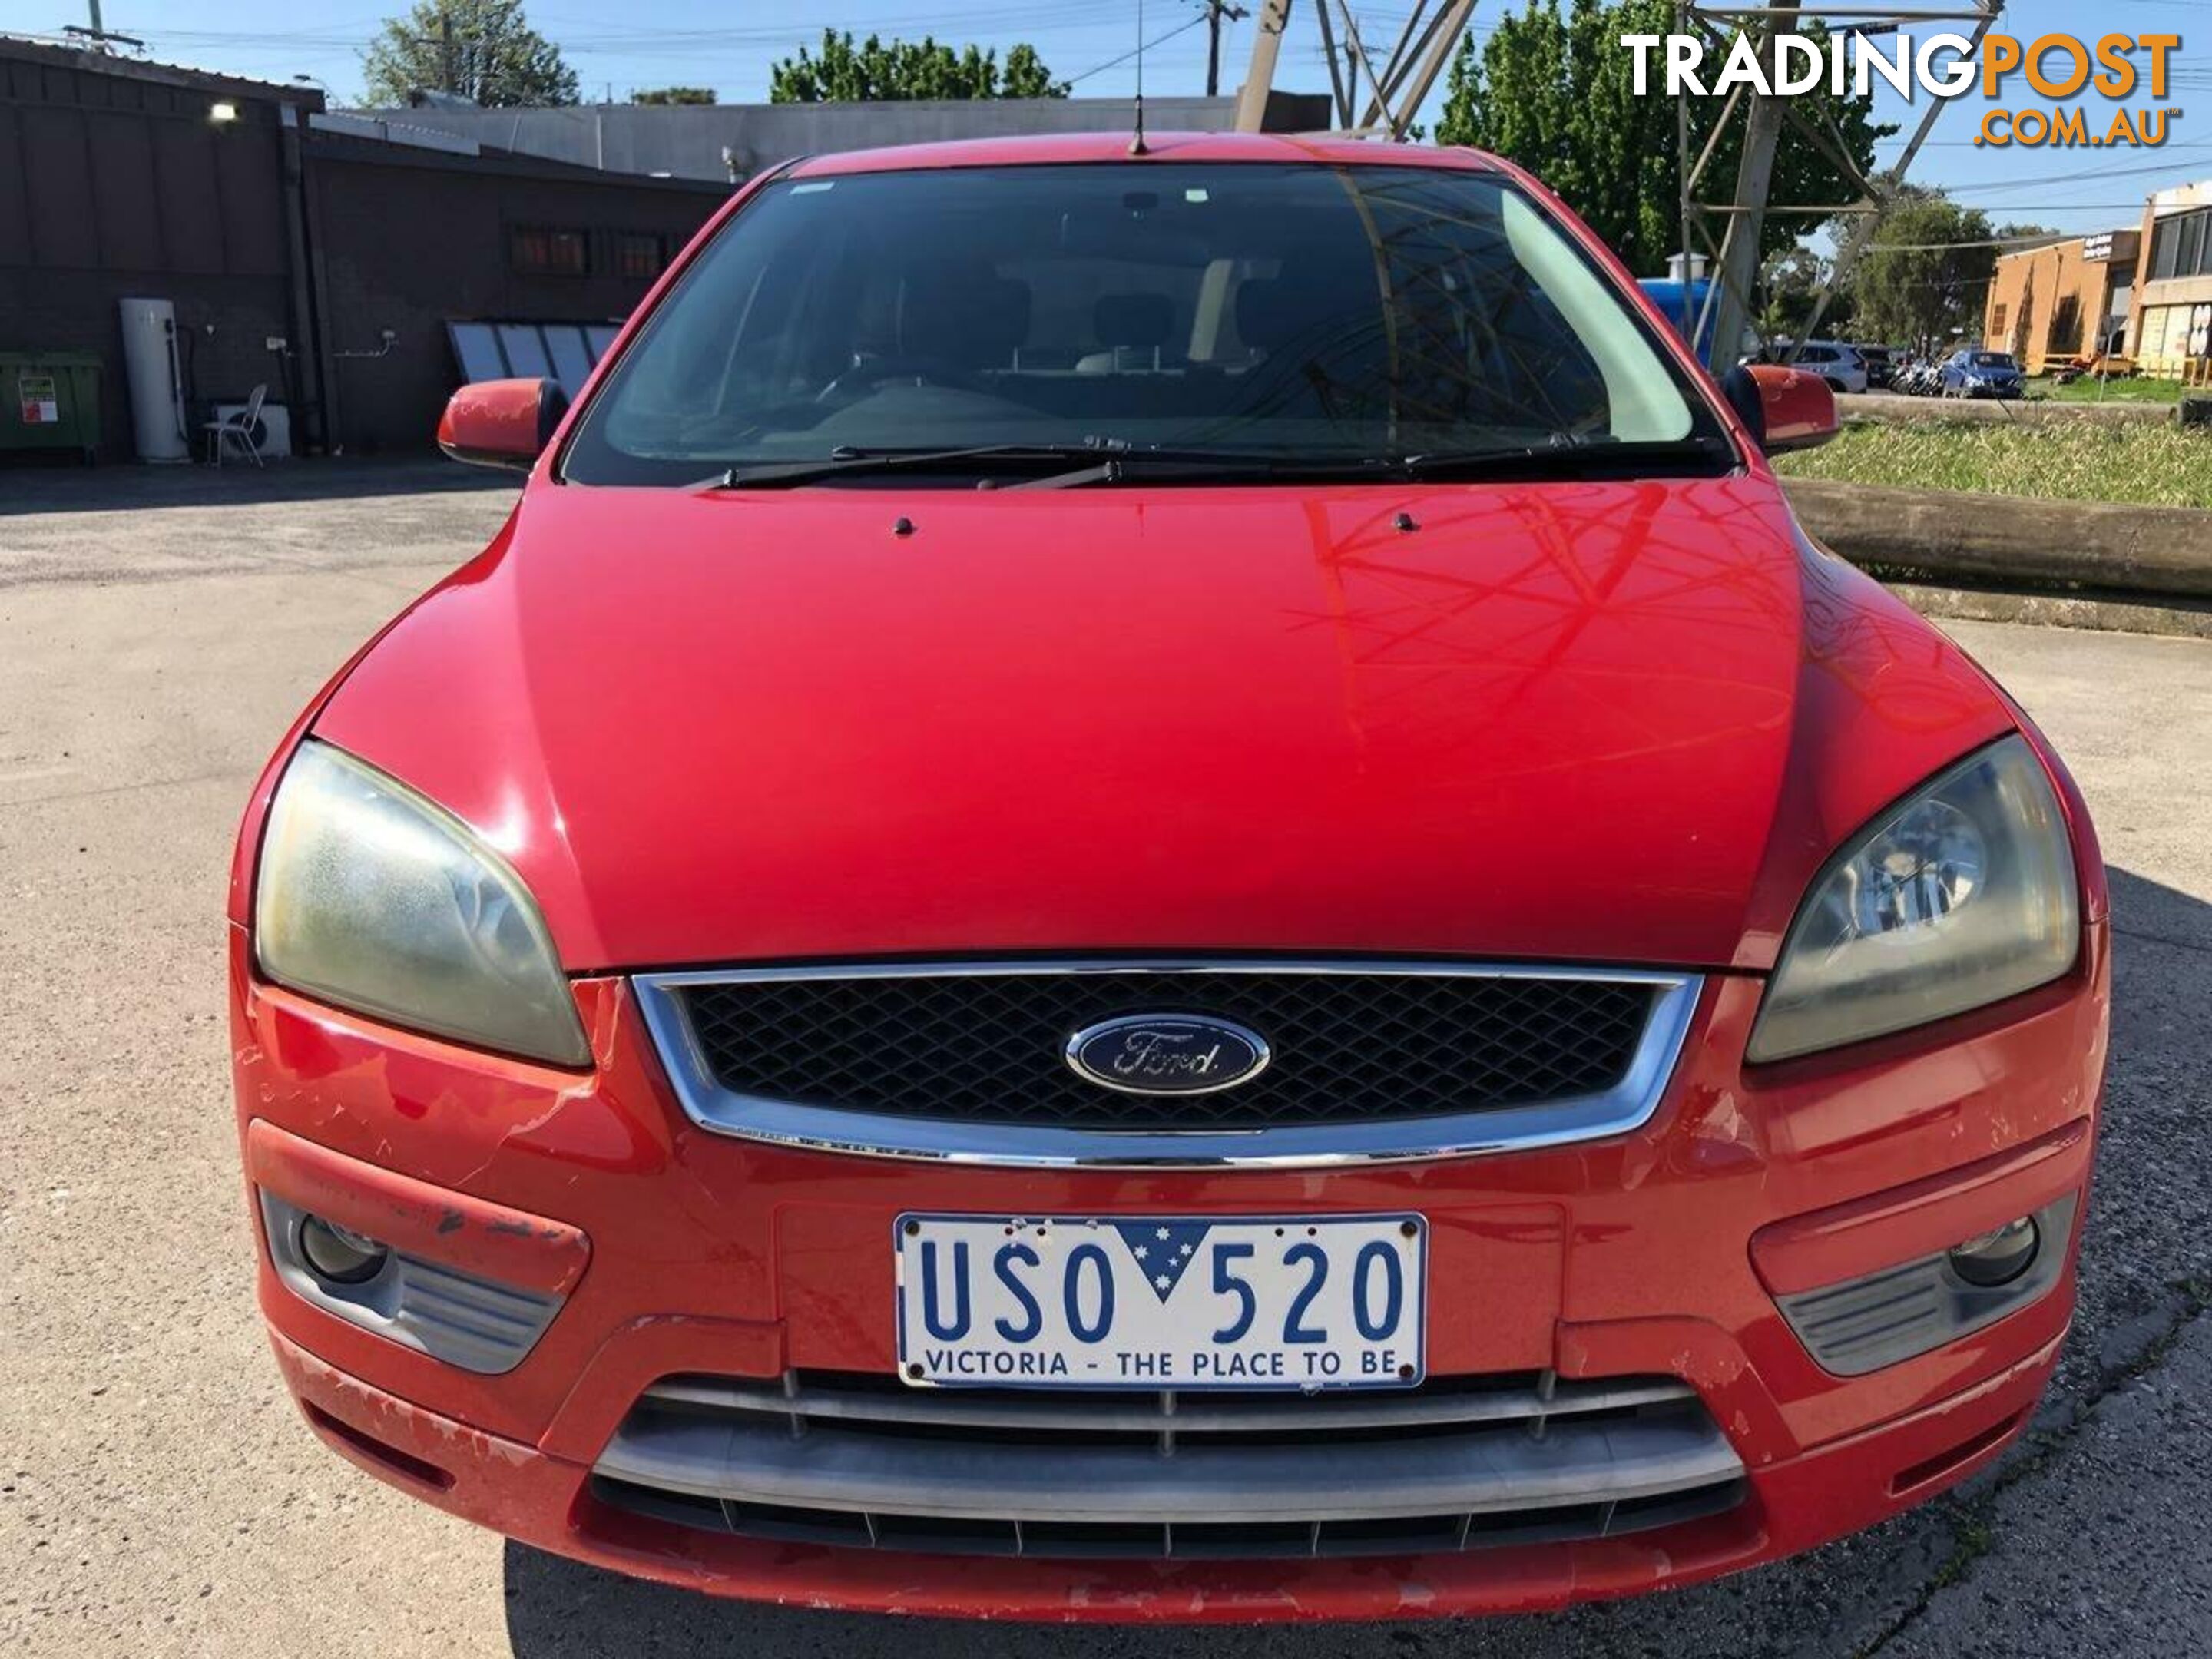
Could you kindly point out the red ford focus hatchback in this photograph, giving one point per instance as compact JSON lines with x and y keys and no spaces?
{"x":1159,"y":887}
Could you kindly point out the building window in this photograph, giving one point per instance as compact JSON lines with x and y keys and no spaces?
{"x":639,"y":255}
{"x":540,"y":251}
{"x":2181,"y":246}
{"x":1997,"y":321}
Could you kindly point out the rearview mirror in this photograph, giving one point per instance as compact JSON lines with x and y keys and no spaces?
{"x":1785,"y":409}
{"x":501,"y":422}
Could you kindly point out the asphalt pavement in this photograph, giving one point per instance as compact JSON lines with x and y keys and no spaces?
{"x":159,"y":1494}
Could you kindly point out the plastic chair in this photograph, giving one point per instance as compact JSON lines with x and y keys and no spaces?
{"x":239,"y":426}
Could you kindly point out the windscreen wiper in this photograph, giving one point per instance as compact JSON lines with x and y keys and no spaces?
{"x":1102,"y":460}
{"x":1582,"y":458}
{"x":1110,"y":461}
{"x":846,"y":460}
{"x":1562,"y":457}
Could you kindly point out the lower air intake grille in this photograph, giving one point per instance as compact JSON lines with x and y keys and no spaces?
{"x":1348,"y":1046}
{"x":1453,"y":1464}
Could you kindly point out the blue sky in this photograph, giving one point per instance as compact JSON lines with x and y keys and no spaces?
{"x":729,"y":44}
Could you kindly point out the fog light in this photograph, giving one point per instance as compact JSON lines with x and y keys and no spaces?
{"x":337,"y":1256}
{"x":1997,"y":1257}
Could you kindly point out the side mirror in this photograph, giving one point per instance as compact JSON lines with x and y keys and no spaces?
{"x":1785,"y":409}
{"x":501,"y":422}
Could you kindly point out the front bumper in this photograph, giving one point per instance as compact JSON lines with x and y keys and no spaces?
{"x":674,"y":1251}
{"x":543,"y":1499}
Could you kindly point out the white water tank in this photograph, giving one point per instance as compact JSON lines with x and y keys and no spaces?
{"x":157,"y":393}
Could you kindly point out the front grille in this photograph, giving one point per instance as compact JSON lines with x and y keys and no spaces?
{"x":1348,"y":1048}
{"x":1455,"y":1464}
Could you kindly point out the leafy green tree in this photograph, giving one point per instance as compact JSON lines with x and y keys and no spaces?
{"x":1026,"y":76}
{"x":846,"y":73}
{"x":1922,"y":278}
{"x":1553,"y":89}
{"x":1790,"y":283}
{"x":483,"y":50}
{"x":673,"y":95}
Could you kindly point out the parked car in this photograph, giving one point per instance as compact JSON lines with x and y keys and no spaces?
{"x":1975,"y":373}
{"x":1880,"y":365}
{"x":1839,"y":365}
{"x":1086,"y":918}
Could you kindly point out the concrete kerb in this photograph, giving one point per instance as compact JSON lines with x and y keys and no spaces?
{"x":2163,"y":553}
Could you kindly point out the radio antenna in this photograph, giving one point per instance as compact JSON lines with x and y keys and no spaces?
{"x":1137,"y":138}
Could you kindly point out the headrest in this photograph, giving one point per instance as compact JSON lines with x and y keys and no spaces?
{"x":962,"y":311}
{"x":1134,"y":319}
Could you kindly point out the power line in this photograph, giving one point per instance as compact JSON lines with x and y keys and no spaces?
{"x":2061,"y":179}
{"x":1146,"y":46}
{"x":2022,"y":242}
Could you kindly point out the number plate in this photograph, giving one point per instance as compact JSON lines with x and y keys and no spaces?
{"x":1163,"y":1302}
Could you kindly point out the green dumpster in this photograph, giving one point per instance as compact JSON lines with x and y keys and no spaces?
{"x":50,"y":400}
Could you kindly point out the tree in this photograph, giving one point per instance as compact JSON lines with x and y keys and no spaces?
{"x":1552,"y":90}
{"x":1790,"y":281}
{"x":1924,"y":279}
{"x":845,"y":73}
{"x":673,"y":95}
{"x":482,"y":50}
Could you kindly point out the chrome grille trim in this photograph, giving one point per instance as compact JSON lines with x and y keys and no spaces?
{"x":1449,"y":1467}
{"x":1169,"y":1413}
{"x":1626,"y":1107}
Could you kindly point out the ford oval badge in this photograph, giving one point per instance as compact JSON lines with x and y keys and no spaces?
{"x":1168,"y":1053}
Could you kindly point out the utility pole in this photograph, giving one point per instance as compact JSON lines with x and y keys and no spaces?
{"x":1260,"y":78}
{"x":97,"y":34}
{"x":1215,"y":11}
{"x":1395,"y":89}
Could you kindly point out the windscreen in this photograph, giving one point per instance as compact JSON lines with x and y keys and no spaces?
{"x":1293,"y":311}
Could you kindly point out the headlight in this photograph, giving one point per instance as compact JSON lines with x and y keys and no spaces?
{"x":374,"y":898}
{"x":1964,"y":894}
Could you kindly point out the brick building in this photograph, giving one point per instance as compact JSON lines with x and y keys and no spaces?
{"x":263,"y":220}
{"x":409,"y":238}
{"x":119,"y":179}
{"x":2065,"y":300}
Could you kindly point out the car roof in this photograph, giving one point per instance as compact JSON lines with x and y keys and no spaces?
{"x":1063,"y":149}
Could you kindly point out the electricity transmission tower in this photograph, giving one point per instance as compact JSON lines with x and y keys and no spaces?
{"x":1395,"y":88}
{"x":1733,"y":253}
